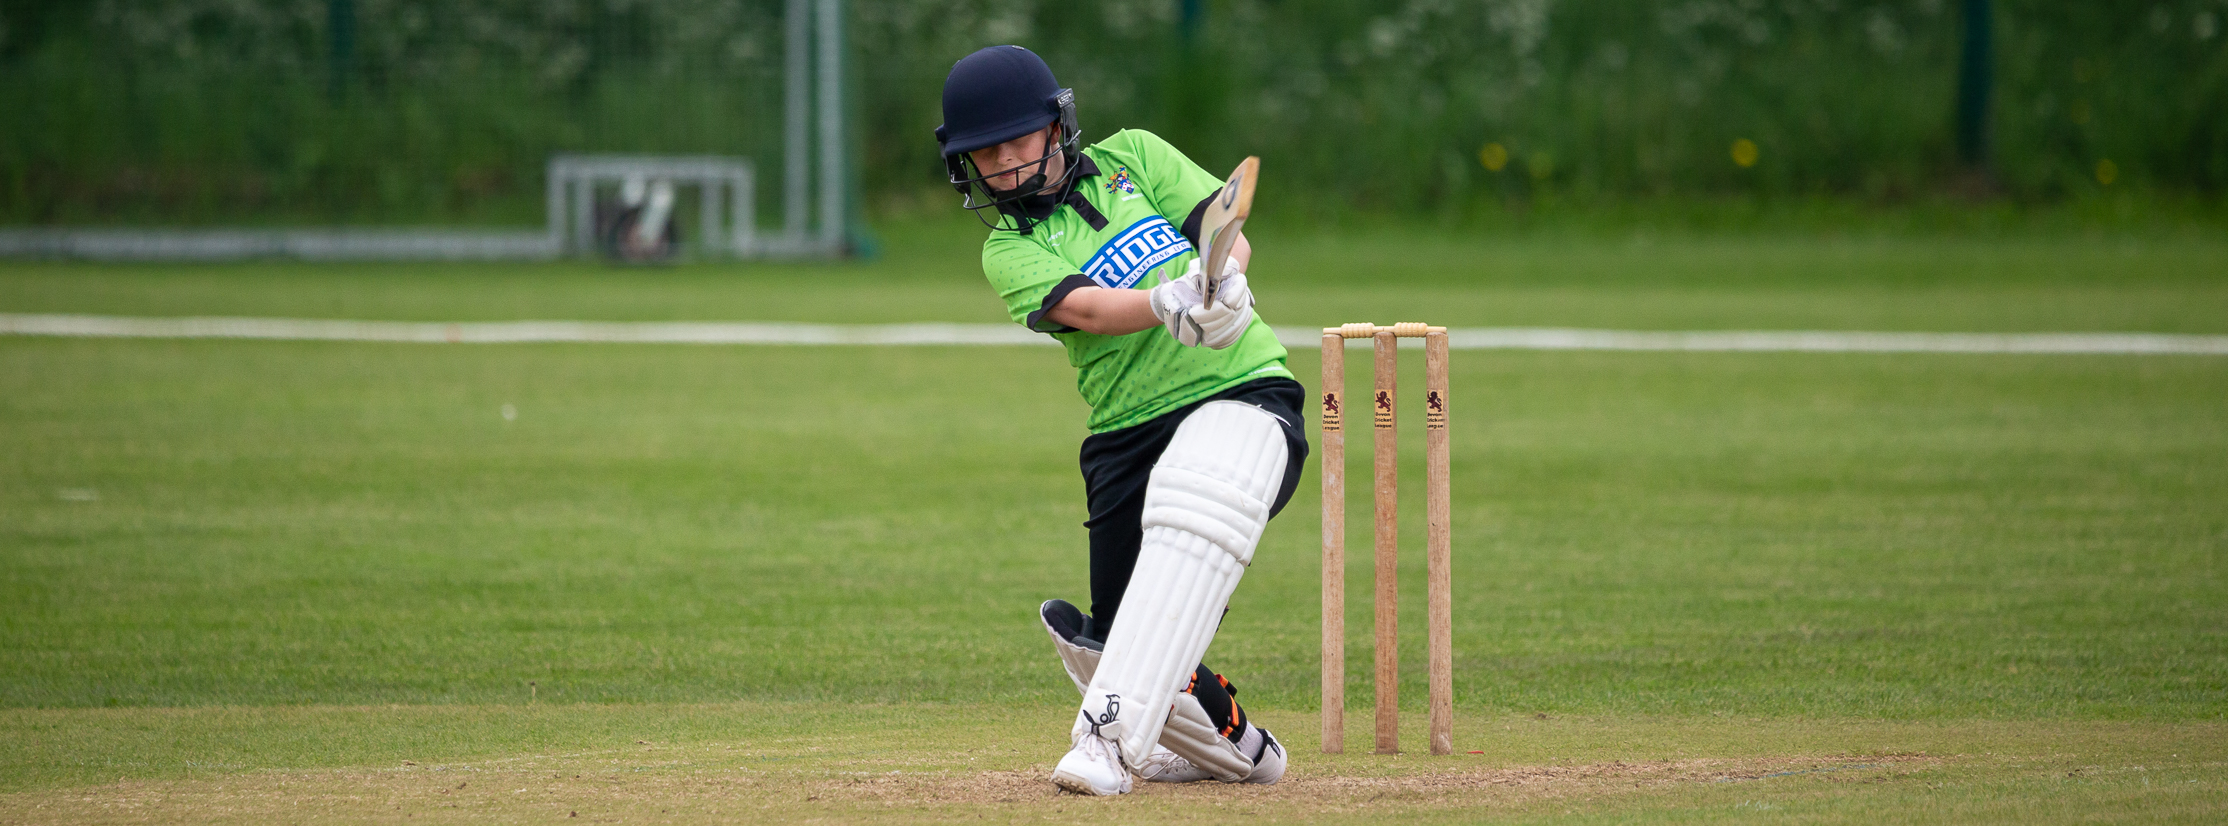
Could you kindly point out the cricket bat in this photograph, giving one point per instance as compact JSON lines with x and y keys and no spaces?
{"x":1218,"y":227}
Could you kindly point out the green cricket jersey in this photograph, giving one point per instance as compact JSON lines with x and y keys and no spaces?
{"x":1133,"y":214}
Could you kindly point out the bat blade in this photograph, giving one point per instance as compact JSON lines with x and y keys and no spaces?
{"x":1218,"y":227}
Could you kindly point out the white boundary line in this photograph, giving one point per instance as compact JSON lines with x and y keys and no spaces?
{"x":1820,"y":341}
{"x":798,"y":333}
{"x":511,"y":332}
{"x":407,"y":244}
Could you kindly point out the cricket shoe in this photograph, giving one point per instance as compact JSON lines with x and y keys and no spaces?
{"x":1268,"y":756}
{"x":1093,"y":767}
{"x":1164,"y":766}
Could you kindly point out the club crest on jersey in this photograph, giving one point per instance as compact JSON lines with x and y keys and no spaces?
{"x":1120,"y":182}
{"x":1134,"y":252}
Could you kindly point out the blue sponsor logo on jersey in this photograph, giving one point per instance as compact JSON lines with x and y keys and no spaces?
{"x":1136,"y":251}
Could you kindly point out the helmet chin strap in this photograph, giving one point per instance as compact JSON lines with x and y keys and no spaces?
{"x":1033,"y":186}
{"x":1040,"y":202}
{"x":1034,"y":199}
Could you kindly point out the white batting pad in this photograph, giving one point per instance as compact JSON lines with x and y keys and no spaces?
{"x":1190,"y":734}
{"x":1205,"y":507}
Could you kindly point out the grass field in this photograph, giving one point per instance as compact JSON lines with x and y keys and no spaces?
{"x":282,"y":580}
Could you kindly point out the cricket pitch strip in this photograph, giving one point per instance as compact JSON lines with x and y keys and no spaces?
{"x":805,"y":762}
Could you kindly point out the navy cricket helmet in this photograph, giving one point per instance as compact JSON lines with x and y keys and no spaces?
{"x":993,"y":96}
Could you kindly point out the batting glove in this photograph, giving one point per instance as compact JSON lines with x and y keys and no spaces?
{"x":1180,"y":307}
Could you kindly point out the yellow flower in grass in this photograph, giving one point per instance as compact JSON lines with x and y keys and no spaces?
{"x":2107,"y":172}
{"x":1744,"y":153}
{"x":1493,"y":156}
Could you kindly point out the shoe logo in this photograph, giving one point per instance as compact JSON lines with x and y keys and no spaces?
{"x":1113,"y":711}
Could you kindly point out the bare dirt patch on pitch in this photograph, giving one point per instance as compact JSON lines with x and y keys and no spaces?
{"x":1434,"y":786}
{"x":679,"y":793}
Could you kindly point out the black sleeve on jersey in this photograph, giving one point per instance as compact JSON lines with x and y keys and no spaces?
{"x":1198,"y":213}
{"x":1059,"y":292}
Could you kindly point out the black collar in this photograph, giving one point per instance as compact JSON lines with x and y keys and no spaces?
{"x":1085,"y":167}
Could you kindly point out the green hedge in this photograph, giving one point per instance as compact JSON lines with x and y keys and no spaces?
{"x":197,"y":111}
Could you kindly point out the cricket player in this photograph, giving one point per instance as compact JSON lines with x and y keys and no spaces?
{"x":1195,"y":427}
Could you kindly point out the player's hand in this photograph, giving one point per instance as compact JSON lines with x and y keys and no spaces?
{"x":1232,"y":312}
{"x":1232,"y":293}
{"x":1220,"y":325}
{"x":1179,"y":306}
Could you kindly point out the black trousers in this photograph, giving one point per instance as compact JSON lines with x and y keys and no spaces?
{"x":1116,"y":466}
